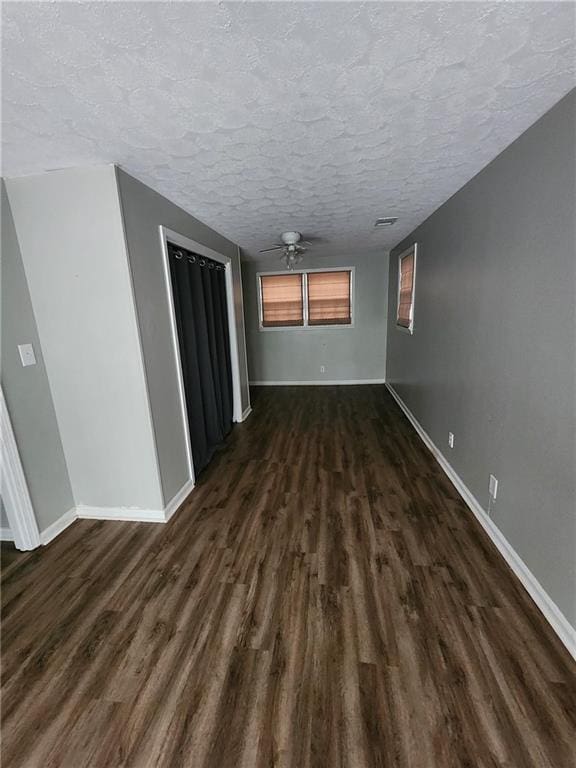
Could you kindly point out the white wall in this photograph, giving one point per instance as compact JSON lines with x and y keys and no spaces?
{"x":348,"y":354}
{"x":144,"y":210}
{"x":71,"y":238}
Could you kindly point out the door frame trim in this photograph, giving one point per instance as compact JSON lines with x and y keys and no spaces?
{"x":18,"y":504}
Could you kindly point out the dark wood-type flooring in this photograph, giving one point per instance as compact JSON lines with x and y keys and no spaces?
{"x":323,"y":599}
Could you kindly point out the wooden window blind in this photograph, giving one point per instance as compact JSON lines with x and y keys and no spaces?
{"x":282,"y":302}
{"x":329,"y":298}
{"x":405,"y":315}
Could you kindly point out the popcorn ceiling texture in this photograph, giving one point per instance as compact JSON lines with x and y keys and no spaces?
{"x":262,"y":117}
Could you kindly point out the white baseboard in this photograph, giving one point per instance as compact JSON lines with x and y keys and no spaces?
{"x":6,"y":534}
{"x":121,"y":513}
{"x":559,"y":623}
{"x":128,"y":514}
{"x":178,"y":499}
{"x":246,"y":413}
{"x":58,"y":526}
{"x":319,"y":383}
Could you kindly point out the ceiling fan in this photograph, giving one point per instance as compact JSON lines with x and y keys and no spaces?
{"x":292,"y":247}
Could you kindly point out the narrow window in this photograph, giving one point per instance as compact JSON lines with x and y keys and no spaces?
{"x":281,"y":300}
{"x":329,"y":298}
{"x":406,"y":277}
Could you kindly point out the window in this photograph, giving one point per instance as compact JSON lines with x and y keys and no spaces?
{"x":329,"y":298}
{"x":406,"y":279}
{"x":306,"y":299}
{"x":281,"y":300}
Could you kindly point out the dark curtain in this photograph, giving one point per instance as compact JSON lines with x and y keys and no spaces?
{"x":199,"y":290}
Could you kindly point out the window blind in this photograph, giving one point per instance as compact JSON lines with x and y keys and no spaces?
{"x":329,"y":298}
{"x":406,"y":291}
{"x":281,"y":300}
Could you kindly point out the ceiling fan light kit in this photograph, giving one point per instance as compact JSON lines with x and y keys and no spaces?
{"x":292,"y":258}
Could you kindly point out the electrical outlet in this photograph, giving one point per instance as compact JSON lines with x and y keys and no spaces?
{"x":322,"y":369}
{"x":493,"y":486}
{"x":451,"y":439}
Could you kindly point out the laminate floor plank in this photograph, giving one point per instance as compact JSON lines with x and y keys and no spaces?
{"x":323,"y":599}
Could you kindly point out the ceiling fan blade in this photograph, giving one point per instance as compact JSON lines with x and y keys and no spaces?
{"x":267,"y":250}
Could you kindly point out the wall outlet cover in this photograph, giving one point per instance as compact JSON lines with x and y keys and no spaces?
{"x":451,"y":439}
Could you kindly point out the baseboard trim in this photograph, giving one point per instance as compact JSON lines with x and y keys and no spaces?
{"x":559,"y":623}
{"x":177,"y":501}
{"x":319,"y":383}
{"x":6,"y":534}
{"x":246,"y":413}
{"x":56,"y":528}
{"x":120,"y":513}
{"x":126,"y":514}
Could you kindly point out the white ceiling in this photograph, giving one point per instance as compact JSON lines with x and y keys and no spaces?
{"x":262,"y":117}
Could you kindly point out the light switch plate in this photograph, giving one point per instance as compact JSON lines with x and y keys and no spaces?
{"x":27,"y":355}
{"x":493,"y":487}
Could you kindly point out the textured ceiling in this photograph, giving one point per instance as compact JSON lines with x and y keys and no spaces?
{"x":262,"y":117}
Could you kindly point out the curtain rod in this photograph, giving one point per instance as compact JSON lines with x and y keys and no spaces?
{"x":191,"y":258}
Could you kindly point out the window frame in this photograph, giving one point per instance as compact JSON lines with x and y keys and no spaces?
{"x":304,"y":295}
{"x":412,"y":249}
{"x":306,"y":326}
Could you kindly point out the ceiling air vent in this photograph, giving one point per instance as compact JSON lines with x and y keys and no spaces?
{"x":386,"y":222}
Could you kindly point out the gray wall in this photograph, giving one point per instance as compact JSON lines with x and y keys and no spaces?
{"x":3,"y":516}
{"x":144,"y":210}
{"x":357,"y":353}
{"x":492,"y":357}
{"x":27,"y":390}
{"x":71,"y":239}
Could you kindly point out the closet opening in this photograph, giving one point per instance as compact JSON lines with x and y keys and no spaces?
{"x":201,"y":298}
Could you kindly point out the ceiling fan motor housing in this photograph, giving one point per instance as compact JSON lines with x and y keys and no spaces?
{"x":290,"y":238}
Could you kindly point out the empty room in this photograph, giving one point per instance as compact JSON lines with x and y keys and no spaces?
{"x":288,"y":385}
